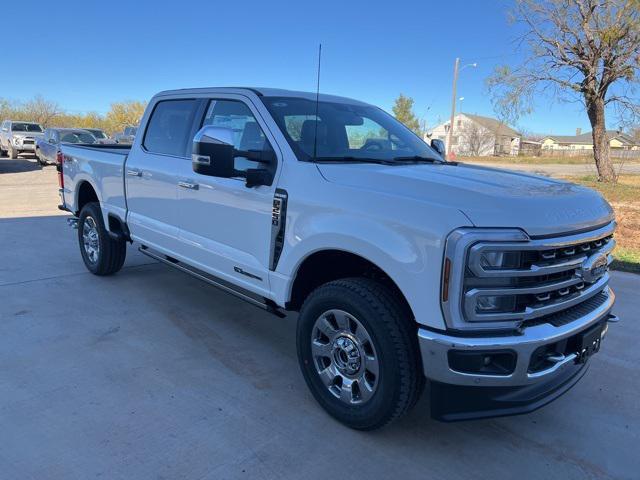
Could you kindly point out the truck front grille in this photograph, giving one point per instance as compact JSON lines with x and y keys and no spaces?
{"x":532,"y":280}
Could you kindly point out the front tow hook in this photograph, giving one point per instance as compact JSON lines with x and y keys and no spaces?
{"x":613,"y":318}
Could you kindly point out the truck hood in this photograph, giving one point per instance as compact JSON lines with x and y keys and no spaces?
{"x":489,"y":197}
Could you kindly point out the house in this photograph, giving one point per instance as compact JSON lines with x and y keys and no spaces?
{"x":475,"y":135}
{"x":584,"y":141}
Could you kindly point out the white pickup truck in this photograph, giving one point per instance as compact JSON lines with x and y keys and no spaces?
{"x":491,"y":286}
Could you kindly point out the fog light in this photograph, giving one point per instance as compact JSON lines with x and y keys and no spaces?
{"x":496,"y":303}
{"x":497,"y":362}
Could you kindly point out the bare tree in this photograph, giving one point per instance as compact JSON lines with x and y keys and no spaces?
{"x":475,"y":139}
{"x":42,"y":111}
{"x":588,"y":49}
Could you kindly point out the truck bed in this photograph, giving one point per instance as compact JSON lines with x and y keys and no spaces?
{"x":102,"y":167}
{"x":121,"y":149}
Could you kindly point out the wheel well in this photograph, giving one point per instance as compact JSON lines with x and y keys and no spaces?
{"x":328,"y":265}
{"x":86,"y":194}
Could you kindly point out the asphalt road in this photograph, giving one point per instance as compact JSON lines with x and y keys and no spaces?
{"x":152,"y":374}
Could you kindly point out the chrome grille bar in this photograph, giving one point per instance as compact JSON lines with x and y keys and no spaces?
{"x":531,"y":312}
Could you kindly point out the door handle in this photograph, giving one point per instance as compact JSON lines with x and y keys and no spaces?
{"x":134,"y":172}
{"x":189,"y":185}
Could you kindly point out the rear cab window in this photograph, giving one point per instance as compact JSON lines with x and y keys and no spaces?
{"x":169,"y":127}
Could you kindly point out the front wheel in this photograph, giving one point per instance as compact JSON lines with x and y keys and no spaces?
{"x":13,"y":153}
{"x":358,"y":352}
{"x":102,"y":254}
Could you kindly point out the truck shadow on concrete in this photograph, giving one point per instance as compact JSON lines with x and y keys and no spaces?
{"x":20,"y":165}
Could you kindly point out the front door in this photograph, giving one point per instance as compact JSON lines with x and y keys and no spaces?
{"x":151,"y":173}
{"x":225,"y":227}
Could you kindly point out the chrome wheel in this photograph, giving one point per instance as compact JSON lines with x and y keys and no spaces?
{"x":344,"y":357}
{"x":90,"y":239}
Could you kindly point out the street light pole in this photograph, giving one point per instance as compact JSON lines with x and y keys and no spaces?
{"x":453,"y":105}
{"x":456,"y":70}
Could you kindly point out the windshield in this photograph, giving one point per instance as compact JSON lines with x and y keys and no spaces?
{"x":77,"y":137}
{"x":97,"y":133}
{"x":26,"y":127}
{"x":345,"y":132}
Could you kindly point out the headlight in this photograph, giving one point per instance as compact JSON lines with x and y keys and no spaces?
{"x":17,"y":140}
{"x":497,"y":259}
{"x":495,"y":303}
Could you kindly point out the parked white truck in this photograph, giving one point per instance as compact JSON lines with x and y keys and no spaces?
{"x":491,"y":285}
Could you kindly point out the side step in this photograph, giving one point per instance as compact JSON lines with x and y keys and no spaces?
{"x":255,"y":300}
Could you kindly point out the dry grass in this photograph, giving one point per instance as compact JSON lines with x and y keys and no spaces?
{"x":560,"y":160}
{"x":624,"y":197}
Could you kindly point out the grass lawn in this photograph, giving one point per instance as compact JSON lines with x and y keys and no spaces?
{"x":624,"y":197}
{"x":543,"y":160}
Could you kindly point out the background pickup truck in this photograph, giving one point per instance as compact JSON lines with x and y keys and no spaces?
{"x":404,"y":268}
{"x":18,"y":137}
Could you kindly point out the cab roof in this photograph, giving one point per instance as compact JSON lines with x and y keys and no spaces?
{"x":262,"y":92}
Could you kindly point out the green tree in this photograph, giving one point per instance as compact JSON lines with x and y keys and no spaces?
{"x":584,"y":50}
{"x":403,"y":111}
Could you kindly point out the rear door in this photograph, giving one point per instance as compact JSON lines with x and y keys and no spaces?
{"x":151,"y":173}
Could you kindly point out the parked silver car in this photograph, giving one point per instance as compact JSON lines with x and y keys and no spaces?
{"x":18,"y":137}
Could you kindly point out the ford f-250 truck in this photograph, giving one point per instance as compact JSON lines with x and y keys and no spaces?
{"x":491,"y":285}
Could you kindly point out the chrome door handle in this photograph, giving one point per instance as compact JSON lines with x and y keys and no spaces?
{"x":189,"y":185}
{"x":134,"y":172}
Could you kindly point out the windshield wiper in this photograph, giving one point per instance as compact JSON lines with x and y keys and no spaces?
{"x":416,"y":159}
{"x":378,"y":161}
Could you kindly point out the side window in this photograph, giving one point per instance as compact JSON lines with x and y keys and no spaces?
{"x":169,"y":127}
{"x":47,"y":135}
{"x":247,"y":134}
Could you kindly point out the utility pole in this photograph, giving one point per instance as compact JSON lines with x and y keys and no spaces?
{"x":453,"y":105}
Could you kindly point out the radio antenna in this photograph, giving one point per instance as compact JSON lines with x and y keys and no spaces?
{"x":315,"y":133}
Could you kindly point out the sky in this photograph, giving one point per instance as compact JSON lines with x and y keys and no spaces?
{"x":86,"y":54}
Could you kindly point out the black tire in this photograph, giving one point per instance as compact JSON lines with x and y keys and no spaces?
{"x":111,"y":253}
{"x":38,"y":159}
{"x":13,"y":153}
{"x":393,"y":334}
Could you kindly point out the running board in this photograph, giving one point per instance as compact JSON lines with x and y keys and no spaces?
{"x":260,"y":302}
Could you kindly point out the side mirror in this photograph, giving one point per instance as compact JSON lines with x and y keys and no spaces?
{"x":213,"y":152}
{"x":438,"y":146}
{"x":52,"y":141}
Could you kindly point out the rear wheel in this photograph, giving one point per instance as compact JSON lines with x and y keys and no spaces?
{"x":358,"y":351}
{"x":102,"y":254}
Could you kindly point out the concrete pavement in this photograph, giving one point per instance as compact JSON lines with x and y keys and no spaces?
{"x":152,"y":374}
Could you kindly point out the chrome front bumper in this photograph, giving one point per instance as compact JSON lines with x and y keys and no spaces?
{"x":435,"y":347}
